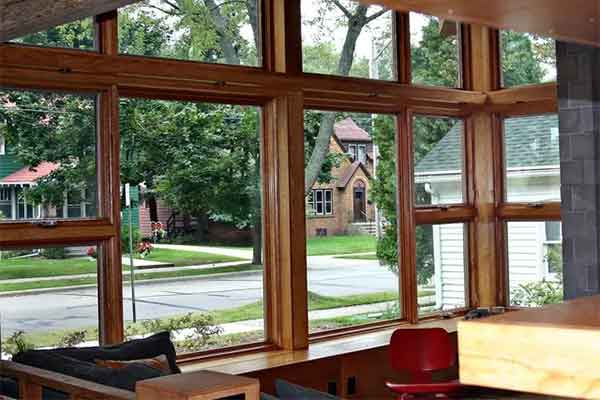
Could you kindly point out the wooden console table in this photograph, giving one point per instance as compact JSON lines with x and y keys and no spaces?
{"x":554,"y":350}
{"x":201,"y":385}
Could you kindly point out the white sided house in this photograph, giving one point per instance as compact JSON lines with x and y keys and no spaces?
{"x":532,"y":164}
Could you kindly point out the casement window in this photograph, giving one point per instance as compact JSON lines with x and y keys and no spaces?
{"x":185,"y":38}
{"x":531,"y":184}
{"x":526,"y":59}
{"x":372,"y":50}
{"x":346,"y":236}
{"x":65,"y":129}
{"x":73,"y":35}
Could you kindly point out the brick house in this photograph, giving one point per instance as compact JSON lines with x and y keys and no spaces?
{"x":343,"y":205}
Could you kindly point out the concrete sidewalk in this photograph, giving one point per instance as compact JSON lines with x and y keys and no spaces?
{"x":224,"y":251}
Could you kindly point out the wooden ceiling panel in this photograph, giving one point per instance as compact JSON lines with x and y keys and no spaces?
{"x":573,"y":20}
{"x":22,"y":17}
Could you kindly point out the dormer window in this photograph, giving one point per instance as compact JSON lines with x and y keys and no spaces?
{"x":358,"y":152}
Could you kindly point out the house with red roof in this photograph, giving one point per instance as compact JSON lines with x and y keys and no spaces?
{"x":15,"y":178}
{"x":343,"y":205}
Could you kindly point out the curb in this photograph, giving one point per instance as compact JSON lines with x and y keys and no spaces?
{"x":18,"y":293}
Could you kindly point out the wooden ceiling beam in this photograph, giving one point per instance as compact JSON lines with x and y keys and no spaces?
{"x":577,"y":20}
{"x":22,"y":17}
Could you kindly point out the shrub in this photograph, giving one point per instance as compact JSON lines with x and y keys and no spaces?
{"x":16,"y":343}
{"x":125,"y":237}
{"x":72,"y":339}
{"x":535,"y":294}
{"x":54,"y":253}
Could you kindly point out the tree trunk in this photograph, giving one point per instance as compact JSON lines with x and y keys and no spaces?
{"x":254,"y":23}
{"x":153,"y":207}
{"x":200,"y":234}
{"x":355,"y":25}
{"x":257,"y":240}
{"x":230,"y":53}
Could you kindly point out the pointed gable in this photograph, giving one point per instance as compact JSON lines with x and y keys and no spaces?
{"x":348,"y":131}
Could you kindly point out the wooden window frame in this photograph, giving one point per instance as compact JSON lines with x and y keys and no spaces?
{"x":284,"y":91}
{"x":514,"y":211}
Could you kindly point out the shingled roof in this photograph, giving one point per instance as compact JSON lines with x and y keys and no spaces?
{"x":530,"y":142}
{"x":348,"y":131}
{"x":29,"y":175}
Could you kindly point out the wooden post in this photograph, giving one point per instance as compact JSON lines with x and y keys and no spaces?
{"x":286,"y":287}
{"x":486,"y":286}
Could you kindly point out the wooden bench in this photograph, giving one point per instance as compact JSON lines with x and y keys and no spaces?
{"x":201,"y":385}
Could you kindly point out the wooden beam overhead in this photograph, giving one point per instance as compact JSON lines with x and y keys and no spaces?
{"x":22,"y":17}
{"x":577,"y":21}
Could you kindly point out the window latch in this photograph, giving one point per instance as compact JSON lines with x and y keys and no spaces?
{"x":535,"y":205}
{"x":46,"y":224}
{"x":443,"y":208}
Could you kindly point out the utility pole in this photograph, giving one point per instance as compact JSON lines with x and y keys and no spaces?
{"x":131,"y":266}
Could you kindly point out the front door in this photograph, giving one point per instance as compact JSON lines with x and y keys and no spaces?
{"x":360,"y":209}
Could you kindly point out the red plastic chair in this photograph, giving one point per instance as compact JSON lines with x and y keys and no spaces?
{"x":420,"y":352}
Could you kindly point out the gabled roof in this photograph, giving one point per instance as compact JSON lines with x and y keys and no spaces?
{"x":348,"y":131}
{"x":529,"y":142}
{"x":29,"y":175}
{"x":349,"y":173}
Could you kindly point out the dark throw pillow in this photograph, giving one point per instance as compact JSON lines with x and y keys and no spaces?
{"x":289,"y":391}
{"x":150,"y":347}
{"x":123,"y":378}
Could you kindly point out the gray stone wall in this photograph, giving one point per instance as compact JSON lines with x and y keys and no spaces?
{"x":579,"y":119}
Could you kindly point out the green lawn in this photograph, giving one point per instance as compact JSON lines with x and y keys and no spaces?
{"x":38,"y":267}
{"x":11,"y":287}
{"x":182,"y":258}
{"x":370,"y":257}
{"x":331,"y":245}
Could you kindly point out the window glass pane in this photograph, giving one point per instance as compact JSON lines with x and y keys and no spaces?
{"x":435,"y":51}
{"x":527,"y":59}
{"x":73,"y":35}
{"x":441,"y":272}
{"x":192,"y":174}
{"x":532,"y":158}
{"x":50,"y":150}
{"x":438,"y":147}
{"x":212,"y":31}
{"x":65,"y":313}
{"x":534,"y":264}
{"x":348,"y":39}
{"x":352,"y":252}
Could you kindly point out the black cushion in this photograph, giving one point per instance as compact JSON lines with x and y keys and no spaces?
{"x":136,"y":349}
{"x":9,"y":387}
{"x":289,"y":391}
{"x":124,"y":378}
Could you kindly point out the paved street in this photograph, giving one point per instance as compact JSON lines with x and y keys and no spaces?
{"x":79,"y":308}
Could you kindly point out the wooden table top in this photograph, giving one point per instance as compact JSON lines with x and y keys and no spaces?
{"x":554,"y":350}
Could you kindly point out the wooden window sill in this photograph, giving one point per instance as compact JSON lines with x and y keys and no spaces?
{"x":255,"y":362}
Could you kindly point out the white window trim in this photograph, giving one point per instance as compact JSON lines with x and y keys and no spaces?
{"x":323,"y":202}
